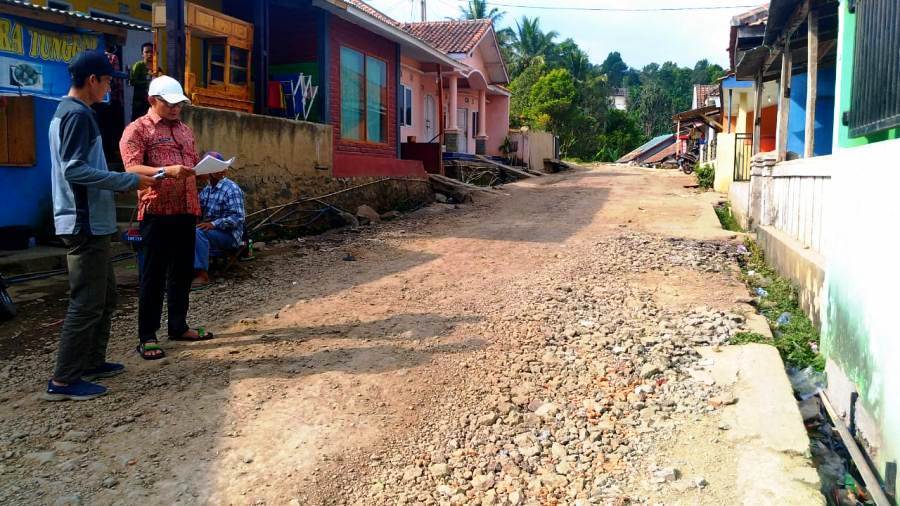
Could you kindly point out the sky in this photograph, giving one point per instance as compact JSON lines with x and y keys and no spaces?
{"x":640,"y":37}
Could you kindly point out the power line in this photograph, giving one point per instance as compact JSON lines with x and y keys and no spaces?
{"x":622,"y":9}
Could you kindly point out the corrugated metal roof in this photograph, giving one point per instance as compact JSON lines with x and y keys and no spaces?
{"x":455,"y":36}
{"x":78,"y":15}
{"x":644,"y":147}
{"x":662,"y":155}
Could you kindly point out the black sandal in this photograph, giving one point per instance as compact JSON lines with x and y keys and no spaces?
{"x":202,"y":335}
{"x":143,"y":348}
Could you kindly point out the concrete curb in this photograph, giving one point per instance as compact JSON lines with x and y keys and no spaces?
{"x":773,"y":457}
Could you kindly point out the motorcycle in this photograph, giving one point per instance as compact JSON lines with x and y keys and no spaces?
{"x":687,"y":162}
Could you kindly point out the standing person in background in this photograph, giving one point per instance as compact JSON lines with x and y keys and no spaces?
{"x":84,"y":215}
{"x":140,"y":77}
{"x":159,"y":144}
{"x":111,"y":113}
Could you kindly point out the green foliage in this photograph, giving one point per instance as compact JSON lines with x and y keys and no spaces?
{"x":477,"y":9}
{"x":727,"y":220}
{"x":706,"y":175}
{"x":620,"y":136}
{"x":573,"y":102}
{"x":797,"y":341}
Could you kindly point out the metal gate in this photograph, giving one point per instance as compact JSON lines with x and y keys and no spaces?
{"x":743,"y":153}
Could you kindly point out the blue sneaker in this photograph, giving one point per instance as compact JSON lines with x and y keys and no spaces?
{"x":78,"y":391}
{"x":107,"y":370}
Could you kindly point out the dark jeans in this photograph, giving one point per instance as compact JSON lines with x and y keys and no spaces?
{"x":92,"y":299}
{"x":168,"y":269}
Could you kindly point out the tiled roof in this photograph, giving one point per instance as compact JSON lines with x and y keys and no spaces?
{"x":375,"y":13}
{"x":704,"y":91}
{"x":456,"y":36}
{"x":76,"y":14}
{"x":755,"y":16}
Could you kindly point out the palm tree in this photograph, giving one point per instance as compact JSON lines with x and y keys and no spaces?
{"x":530,"y":43}
{"x":477,"y":9}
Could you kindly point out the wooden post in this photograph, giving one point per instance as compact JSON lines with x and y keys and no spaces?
{"x":812,"y":80}
{"x":677,"y":135}
{"x":175,"y":64}
{"x":188,"y":85}
{"x":784,"y":102}
{"x":757,"y":112}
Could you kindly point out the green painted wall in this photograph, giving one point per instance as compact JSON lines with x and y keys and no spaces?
{"x":861,"y":321}
{"x":846,"y":46}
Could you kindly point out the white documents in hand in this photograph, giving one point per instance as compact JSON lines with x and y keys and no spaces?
{"x":210,"y":165}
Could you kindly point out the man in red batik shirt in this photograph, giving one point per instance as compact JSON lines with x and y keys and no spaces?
{"x":159,"y":144}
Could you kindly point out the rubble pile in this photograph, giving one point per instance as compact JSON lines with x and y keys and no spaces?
{"x":570,"y":408}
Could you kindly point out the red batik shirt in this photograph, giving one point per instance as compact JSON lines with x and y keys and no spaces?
{"x":155,"y":142}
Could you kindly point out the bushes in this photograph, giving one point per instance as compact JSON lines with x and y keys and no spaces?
{"x":706,"y":175}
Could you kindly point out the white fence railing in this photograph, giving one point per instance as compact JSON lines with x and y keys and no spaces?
{"x":792,"y":197}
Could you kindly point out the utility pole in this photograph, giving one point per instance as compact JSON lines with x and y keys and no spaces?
{"x":423,"y":11}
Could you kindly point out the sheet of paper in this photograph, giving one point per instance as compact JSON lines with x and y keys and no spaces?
{"x":210,"y":165}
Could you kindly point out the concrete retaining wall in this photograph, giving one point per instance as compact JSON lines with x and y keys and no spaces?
{"x":804,"y":267}
{"x":276,"y":159}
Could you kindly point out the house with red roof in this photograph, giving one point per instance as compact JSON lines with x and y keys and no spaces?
{"x":476,"y":107}
{"x":396,"y":95}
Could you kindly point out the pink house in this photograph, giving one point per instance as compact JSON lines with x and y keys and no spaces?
{"x":475,"y":105}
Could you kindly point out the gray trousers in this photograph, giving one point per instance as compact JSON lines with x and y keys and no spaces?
{"x":92,"y":299}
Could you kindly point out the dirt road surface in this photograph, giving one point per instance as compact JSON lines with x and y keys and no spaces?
{"x":530,"y":348}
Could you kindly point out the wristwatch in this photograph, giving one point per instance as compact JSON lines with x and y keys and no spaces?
{"x":161,"y":173}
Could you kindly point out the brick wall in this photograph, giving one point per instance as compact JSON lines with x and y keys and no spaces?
{"x":342,"y":33}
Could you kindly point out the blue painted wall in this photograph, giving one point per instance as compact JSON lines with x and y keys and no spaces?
{"x":824,"y":113}
{"x":25,"y":191}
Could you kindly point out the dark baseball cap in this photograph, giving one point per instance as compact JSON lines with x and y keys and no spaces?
{"x":89,"y":63}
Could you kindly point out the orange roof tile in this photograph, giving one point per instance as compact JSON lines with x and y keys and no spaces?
{"x":455,"y":36}
{"x":375,"y":13}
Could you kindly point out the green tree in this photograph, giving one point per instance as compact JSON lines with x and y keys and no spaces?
{"x":620,"y":136}
{"x":530,"y":44}
{"x":614,"y":68}
{"x":520,"y":103}
{"x":653,"y":109}
{"x":477,"y":9}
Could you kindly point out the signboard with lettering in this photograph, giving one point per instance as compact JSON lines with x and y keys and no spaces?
{"x":34,"y":56}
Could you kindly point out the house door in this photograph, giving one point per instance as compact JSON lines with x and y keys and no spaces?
{"x":430,"y":123}
{"x":462,"y":121}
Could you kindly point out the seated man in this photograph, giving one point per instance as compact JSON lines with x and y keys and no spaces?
{"x":222,"y":225}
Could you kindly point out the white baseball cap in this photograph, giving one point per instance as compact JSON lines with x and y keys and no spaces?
{"x":167,"y":89}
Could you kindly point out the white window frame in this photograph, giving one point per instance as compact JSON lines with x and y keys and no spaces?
{"x":406,"y":106}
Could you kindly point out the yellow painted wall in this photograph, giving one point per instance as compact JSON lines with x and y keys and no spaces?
{"x":724,"y":162}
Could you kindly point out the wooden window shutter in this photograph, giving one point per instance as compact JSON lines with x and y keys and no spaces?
{"x":17,"y":135}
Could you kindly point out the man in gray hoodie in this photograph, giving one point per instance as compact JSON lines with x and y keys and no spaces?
{"x":84,"y":214}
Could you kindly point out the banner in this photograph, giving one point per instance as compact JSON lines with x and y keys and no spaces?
{"x":34,"y":56}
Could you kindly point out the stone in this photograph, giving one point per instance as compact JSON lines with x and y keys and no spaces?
{"x":440,"y":197}
{"x":411,"y":473}
{"x":483,"y":482}
{"x":367,"y":215}
{"x":487,"y":420}
{"x":547,"y":409}
{"x":530,"y":451}
{"x":725,"y":399}
{"x":41,"y":458}
{"x":558,"y":451}
{"x":439,"y":470}
{"x":664,"y":475}
{"x":68,"y":500}
{"x":390,"y":215}
{"x":515,"y":498}
{"x":554,"y":481}
{"x":110,"y":482}
{"x":77,"y":436}
{"x":648,"y":370}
